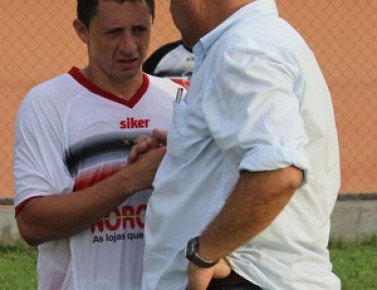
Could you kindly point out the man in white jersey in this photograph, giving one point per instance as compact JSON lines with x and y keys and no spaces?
{"x":77,"y":198}
{"x":251,"y":172}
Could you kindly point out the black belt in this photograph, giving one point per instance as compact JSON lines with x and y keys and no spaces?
{"x":232,"y":282}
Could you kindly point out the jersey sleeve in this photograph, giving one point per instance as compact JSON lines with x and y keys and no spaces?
{"x":39,"y":167}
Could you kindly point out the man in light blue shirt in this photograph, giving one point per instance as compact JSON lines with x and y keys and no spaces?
{"x":251,"y":173}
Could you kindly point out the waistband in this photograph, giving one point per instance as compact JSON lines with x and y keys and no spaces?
{"x":232,"y":282}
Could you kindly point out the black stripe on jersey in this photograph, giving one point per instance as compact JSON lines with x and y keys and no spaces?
{"x":98,"y":149}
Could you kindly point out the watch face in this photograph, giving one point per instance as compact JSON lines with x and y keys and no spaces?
{"x":191,"y":247}
{"x":193,"y":256}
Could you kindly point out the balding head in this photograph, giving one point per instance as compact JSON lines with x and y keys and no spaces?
{"x":195,"y":18}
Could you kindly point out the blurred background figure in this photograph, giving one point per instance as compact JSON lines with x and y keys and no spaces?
{"x":174,"y":60}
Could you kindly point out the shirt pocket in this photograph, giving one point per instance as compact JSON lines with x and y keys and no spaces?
{"x":178,"y":131}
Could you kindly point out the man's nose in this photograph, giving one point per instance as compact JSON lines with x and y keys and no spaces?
{"x":127,"y":42}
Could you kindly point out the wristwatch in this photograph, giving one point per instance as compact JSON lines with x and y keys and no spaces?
{"x":193,"y":256}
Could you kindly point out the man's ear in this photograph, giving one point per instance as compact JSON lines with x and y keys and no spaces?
{"x":81,"y":30}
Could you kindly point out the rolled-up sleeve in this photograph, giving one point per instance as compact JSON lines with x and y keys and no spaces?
{"x":254,"y":114}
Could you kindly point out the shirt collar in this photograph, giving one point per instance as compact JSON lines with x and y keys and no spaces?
{"x":252,"y":10}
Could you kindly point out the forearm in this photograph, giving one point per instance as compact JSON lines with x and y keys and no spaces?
{"x":59,"y":216}
{"x":63,"y":215}
{"x":253,"y":205}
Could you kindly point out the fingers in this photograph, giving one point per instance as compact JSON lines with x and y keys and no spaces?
{"x":143,"y":138}
{"x":222,"y":269}
{"x":199,"y":278}
{"x":143,"y":143}
{"x":144,"y":168}
{"x":160,"y":136}
{"x":136,"y":150}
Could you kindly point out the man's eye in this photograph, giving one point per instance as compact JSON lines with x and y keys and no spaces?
{"x":139,"y":29}
{"x":114,"y":31}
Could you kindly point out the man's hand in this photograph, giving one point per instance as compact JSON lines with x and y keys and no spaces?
{"x":144,"y":143}
{"x":145,"y":167}
{"x":199,"y":278}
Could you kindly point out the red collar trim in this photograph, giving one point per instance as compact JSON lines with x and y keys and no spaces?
{"x":80,"y":78}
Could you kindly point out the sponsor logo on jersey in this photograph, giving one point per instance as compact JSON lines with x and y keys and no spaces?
{"x":123,"y":218}
{"x":124,"y":223}
{"x":133,"y":123}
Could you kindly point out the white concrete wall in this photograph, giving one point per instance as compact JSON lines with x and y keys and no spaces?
{"x":353,"y":221}
{"x":8,"y":228}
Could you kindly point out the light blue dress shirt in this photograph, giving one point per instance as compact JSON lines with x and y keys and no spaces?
{"x":257,"y":102}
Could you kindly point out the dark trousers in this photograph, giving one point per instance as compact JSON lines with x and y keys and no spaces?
{"x":232,"y":282}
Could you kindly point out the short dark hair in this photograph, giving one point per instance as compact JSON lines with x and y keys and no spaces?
{"x":86,"y":9}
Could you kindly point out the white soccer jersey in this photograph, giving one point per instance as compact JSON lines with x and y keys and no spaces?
{"x":71,"y":134}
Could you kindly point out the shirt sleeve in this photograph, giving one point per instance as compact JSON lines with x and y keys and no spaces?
{"x":39,"y":167}
{"x":253,"y":112}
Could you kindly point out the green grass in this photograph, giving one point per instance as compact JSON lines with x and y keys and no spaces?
{"x":18,"y":267}
{"x":356,"y":265}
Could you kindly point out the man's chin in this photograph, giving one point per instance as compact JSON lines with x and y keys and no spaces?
{"x":123,"y":75}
